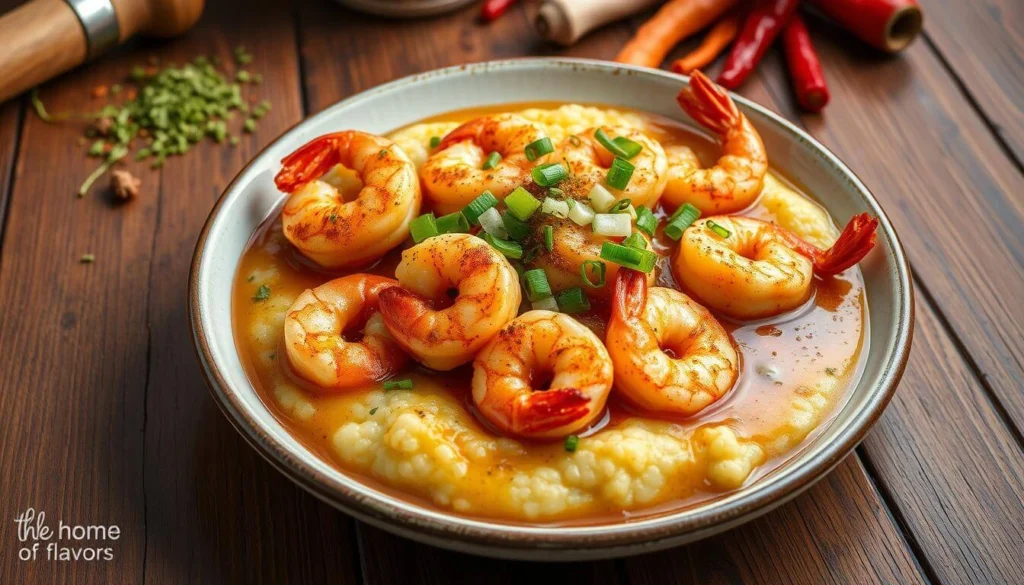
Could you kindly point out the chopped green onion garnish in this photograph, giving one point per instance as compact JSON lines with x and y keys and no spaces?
{"x":453,"y":223}
{"x":423,"y":227}
{"x":619,"y":174}
{"x":635,"y":240}
{"x":521,"y":203}
{"x":646,"y":221}
{"x":556,"y":193}
{"x":681,"y":219}
{"x":492,"y":161}
{"x":404,"y":384}
{"x":595,"y":266}
{"x":555,"y":207}
{"x":545,"y":304}
{"x":721,"y":231}
{"x":549,"y":174}
{"x":539,"y":148}
{"x":529,"y":254}
{"x":549,"y":238}
{"x":581,"y":213}
{"x":620,"y":206}
{"x":628,"y":146}
{"x":600,"y":199}
{"x":573,"y":300}
{"x":536,"y":283}
{"x":435,"y":141}
{"x":612,"y":225}
{"x":492,"y":223}
{"x":572,"y":442}
{"x":642,"y":260}
{"x":517,"y":229}
{"x":478,"y":206}
{"x":508,"y":249}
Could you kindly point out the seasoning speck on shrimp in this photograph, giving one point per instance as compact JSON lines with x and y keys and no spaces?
{"x":454,"y":175}
{"x":315,"y":328}
{"x":748,"y":268}
{"x":336,"y":233}
{"x":647,"y":321}
{"x":510,"y":376}
{"x":736,"y":179}
{"x":588,"y":162}
{"x":486,"y":296}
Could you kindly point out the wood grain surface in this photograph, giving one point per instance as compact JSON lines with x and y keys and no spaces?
{"x":108,"y":420}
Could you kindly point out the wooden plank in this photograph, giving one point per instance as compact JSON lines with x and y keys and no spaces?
{"x":10,"y":120}
{"x":215,"y":511}
{"x":981,"y":42}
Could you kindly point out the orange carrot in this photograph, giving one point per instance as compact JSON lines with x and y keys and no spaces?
{"x":675,"y":21}
{"x":717,"y":39}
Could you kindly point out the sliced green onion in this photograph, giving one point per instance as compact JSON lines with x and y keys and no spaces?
{"x":721,"y":231}
{"x":620,"y":206}
{"x":435,"y":141}
{"x":646,"y":221}
{"x":581,"y":214}
{"x":628,"y":146}
{"x":555,"y":207}
{"x":521,"y":203}
{"x":538,"y":148}
{"x":573,"y":300}
{"x":635,"y":240}
{"x":423,"y":227}
{"x":453,"y":223}
{"x":556,"y":193}
{"x":630,"y":211}
{"x":642,"y":260}
{"x":595,"y":266}
{"x":572,"y":442}
{"x":476,"y":207}
{"x":492,"y":161}
{"x":621,"y":146}
{"x":619,"y":174}
{"x":549,"y":174}
{"x":492,"y":223}
{"x":404,"y":384}
{"x":549,"y":238}
{"x":508,"y":249}
{"x":517,"y":229}
{"x":531,"y":253}
{"x":612,"y":224}
{"x":600,"y":199}
{"x":681,"y":219}
{"x":545,"y":304}
{"x":536,"y":283}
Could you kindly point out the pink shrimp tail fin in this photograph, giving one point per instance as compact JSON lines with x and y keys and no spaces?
{"x":543,"y":411}
{"x":400,"y":308}
{"x":629,"y":295}
{"x":467,"y":131}
{"x":312,"y":160}
{"x":709,"y":104}
{"x":854,"y":243}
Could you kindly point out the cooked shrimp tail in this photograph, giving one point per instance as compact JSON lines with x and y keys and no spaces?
{"x":472,"y":130}
{"x":401,"y":307}
{"x":856,"y":240}
{"x":709,"y":105}
{"x":540,"y":412}
{"x":630,"y":294}
{"x":312,"y":160}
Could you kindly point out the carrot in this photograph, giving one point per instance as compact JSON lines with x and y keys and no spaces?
{"x":717,"y":39}
{"x":675,"y":21}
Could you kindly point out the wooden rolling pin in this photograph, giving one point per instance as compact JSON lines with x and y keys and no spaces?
{"x":44,"y":38}
{"x":565,"y":21}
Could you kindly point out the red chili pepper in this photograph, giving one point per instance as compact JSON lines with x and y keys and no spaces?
{"x":804,"y":66}
{"x":889,"y":25}
{"x":495,"y":8}
{"x":762,"y":25}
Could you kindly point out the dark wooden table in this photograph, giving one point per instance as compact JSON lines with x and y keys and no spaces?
{"x":106,"y":419}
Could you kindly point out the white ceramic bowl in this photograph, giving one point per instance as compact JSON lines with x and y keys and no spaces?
{"x":252,"y":196}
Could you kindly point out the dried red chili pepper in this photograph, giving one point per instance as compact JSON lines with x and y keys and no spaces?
{"x":804,"y":67}
{"x":889,"y":25}
{"x":495,"y":8}
{"x":762,"y":25}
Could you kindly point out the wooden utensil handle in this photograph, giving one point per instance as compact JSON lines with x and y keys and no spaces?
{"x":565,"y":21}
{"x":41,"y":39}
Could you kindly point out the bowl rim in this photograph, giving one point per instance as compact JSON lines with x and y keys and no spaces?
{"x":450,"y":530}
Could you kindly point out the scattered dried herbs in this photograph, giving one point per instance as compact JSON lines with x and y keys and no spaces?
{"x":262,"y":294}
{"x":87,"y":258}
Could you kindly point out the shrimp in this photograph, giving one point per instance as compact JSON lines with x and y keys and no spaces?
{"x":588,"y":162}
{"x":454,"y":175}
{"x":573,"y":245}
{"x":761,"y":269}
{"x":735,"y":181}
{"x":510,"y":376}
{"x":336,"y":233}
{"x":316,"y":327}
{"x":670,"y":354}
{"x":486,"y":290}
